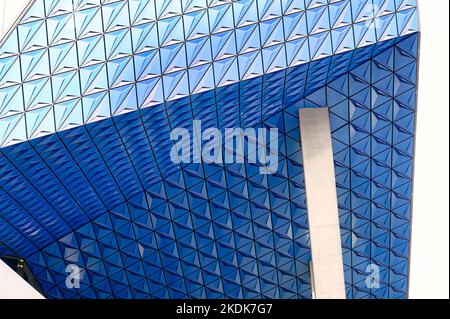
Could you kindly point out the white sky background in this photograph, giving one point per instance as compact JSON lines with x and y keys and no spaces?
{"x":9,"y":11}
{"x":430,"y":237}
{"x":13,"y":286}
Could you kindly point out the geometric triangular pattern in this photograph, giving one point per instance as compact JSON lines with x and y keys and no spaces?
{"x":86,"y":112}
{"x":63,"y":50}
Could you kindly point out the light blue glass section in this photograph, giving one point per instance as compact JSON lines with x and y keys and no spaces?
{"x":85,"y":50}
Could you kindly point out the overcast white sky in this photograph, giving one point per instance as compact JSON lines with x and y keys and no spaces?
{"x":430,"y":237}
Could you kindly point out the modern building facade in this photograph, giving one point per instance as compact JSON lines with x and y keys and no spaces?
{"x":94,"y":204}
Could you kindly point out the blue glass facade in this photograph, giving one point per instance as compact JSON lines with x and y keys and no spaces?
{"x":90,"y":91}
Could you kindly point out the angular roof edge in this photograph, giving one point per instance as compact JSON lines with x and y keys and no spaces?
{"x":8,"y":24}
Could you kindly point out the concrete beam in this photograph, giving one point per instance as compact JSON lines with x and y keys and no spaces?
{"x":321,"y":196}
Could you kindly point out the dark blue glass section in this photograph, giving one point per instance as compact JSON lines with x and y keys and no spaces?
{"x":107,"y":198}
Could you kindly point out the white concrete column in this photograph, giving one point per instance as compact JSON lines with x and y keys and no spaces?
{"x":12,"y":286}
{"x":321,"y":196}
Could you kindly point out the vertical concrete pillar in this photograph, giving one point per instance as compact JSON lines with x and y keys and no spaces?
{"x":327,"y":264}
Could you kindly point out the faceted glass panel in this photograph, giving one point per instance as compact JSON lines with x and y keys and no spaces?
{"x":90,"y":91}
